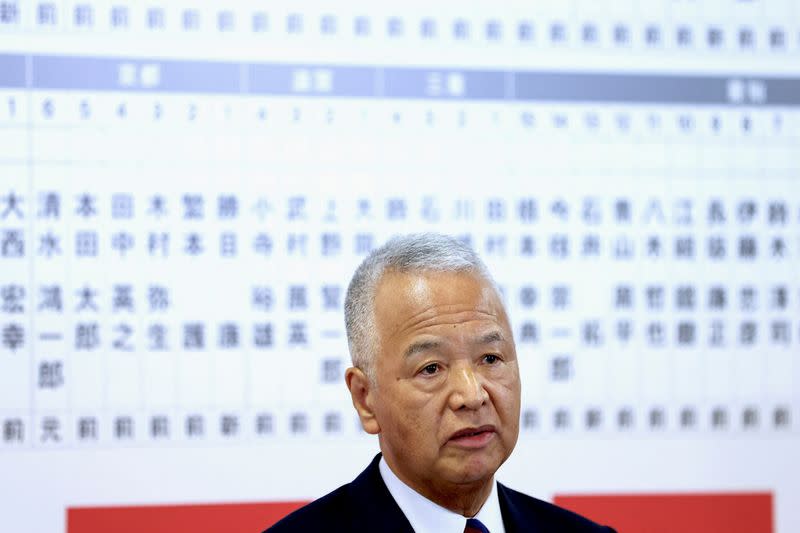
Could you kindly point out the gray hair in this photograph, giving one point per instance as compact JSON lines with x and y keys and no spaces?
{"x":419,"y":252}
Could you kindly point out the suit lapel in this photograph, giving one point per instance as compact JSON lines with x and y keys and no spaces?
{"x":378,"y":510}
{"x":514,"y":519}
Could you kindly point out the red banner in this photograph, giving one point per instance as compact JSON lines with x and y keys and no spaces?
{"x":230,"y":518}
{"x":630,"y":513}
{"x":676,"y":513}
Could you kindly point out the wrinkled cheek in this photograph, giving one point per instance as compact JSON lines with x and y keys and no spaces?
{"x":410,"y":428}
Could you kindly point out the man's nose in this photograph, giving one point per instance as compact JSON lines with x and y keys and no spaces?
{"x":466,"y":388}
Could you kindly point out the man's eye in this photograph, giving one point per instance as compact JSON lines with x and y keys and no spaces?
{"x":430,"y":369}
{"x":491,"y":358}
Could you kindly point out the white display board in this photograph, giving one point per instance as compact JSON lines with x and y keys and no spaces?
{"x":186,"y":189}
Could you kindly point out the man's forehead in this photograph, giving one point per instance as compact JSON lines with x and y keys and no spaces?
{"x":429,"y":342}
{"x":410,"y":301}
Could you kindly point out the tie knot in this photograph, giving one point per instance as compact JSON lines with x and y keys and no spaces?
{"x":475,"y":526}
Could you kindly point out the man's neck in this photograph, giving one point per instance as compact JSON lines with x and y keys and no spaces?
{"x":465,"y":499}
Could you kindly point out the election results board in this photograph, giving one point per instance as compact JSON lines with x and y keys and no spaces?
{"x":187,"y":187}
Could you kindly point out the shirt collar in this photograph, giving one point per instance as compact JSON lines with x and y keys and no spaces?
{"x":426,"y":516}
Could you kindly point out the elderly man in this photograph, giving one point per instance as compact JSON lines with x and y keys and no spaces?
{"x":435,"y":376}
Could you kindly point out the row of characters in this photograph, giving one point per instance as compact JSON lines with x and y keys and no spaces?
{"x":156,"y":298}
{"x":654,"y":36}
{"x":594,"y":334}
{"x":557,"y":246}
{"x":590,"y":210}
{"x":121,"y":428}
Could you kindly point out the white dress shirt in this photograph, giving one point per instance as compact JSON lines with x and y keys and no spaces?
{"x":426,"y":516}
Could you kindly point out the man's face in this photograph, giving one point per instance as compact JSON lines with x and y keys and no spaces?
{"x":448,"y":389}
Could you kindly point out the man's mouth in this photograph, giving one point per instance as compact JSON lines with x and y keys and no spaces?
{"x":473,"y":437}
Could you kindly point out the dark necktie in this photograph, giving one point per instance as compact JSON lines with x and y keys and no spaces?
{"x":475,"y":526}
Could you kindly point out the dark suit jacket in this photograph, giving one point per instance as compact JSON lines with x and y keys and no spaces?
{"x":366,"y":505}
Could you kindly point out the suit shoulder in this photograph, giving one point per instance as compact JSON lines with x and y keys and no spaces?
{"x":319,"y":514}
{"x":550,"y":516}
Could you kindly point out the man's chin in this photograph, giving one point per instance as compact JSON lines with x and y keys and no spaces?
{"x":472,"y":470}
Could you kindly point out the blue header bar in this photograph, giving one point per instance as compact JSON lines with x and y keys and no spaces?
{"x":341,"y":81}
{"x":12,"y":71}
{"x":447,"y":84}
{"x":311,"y":80}
{"x":109,"y":74}
{"x":633,"y":88}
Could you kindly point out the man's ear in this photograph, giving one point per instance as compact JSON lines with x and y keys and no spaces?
{"x":362,"y":392}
